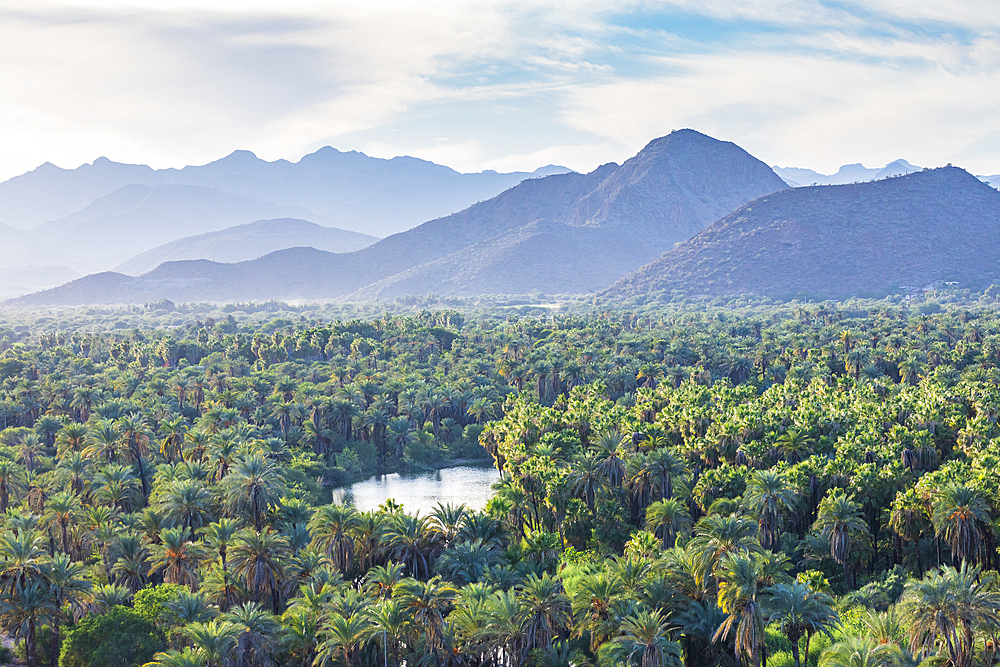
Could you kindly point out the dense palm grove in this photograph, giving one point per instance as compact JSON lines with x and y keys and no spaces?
{"x":817,"y":486}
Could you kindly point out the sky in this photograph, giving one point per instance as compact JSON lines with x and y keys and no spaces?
{"x":496,"y":84}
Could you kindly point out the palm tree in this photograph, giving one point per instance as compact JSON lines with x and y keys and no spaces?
{"x":74,"y":470}
{"x":390,"y":624}
{"x":252,"y":488}
{"x":413,"y":541}
{"x":22,"y":560}
{"x":28,"y":605}
{"x":908,"y":518}
{"x":255,"y":639}
{"x":958,"y":516}
{"x":346,"y":637}
{"x":545,"y":612}
{"x":214,"y":639}
{"x":258,"y":560}
{"x":799,"y":611}
{"x":186,"y":657}
{"x":668,"y":519}
{"x":466,"y":562}
{"x":665,"y":466}
{"x":61,"y":511}
{"x":859,"y":652}
{"x":645,"y":641}
{"x":177,"y":558}
{"x":839,"y":520}
{"x":187,"y":503}
{"x":718,"y":537}
{"x":332,"y":527}
{"x":770,"y":496}
{"x":428,"y":602}
{"x":135,"y":440}
{"x":738,"y":590}
{"x":587,"y":478}
{"x":795,"y":444}
{"x":943,"y":610}
{"x":11,"y":482}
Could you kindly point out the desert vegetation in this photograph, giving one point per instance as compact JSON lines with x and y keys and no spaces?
{"x":793,"y":485}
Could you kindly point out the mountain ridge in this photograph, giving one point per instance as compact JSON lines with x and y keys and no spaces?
{"x":617,"y":217}
{"x":836,"y":241}
{"x":247,"y":241}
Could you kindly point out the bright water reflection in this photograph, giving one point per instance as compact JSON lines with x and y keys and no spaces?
{"x":423,"y":491}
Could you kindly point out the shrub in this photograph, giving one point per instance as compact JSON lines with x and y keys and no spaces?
{"x":120,"y":638}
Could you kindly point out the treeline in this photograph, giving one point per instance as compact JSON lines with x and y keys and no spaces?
{"x":809,"y":487}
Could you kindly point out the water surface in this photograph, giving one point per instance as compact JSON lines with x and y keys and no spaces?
{"x":421,"y":492}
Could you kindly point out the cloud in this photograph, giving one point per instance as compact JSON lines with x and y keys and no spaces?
{"x":497,"y":83}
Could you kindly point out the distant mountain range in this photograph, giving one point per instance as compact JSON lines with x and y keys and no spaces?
{"x":245,"y":242}
{"x":94,"y":217}
{"x":849,"y":173}
{"x":687,"y":214}
{"x":821,"y":242}
{"x":562,"y":233}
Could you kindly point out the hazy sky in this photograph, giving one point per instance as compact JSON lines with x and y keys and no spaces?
{"x":504,"y":85}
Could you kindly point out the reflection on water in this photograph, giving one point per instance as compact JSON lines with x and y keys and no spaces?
{"x":423,"y":491}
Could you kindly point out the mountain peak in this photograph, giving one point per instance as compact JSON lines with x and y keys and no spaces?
{"x":835,"y":241}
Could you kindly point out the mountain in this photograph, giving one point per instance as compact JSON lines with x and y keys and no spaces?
{"x":992,"y":180}
{"x":562,"y":233}
{"x":837,"y":241}
{"x":346,"y":189}
{"x":249,"y":241}
{"x":849,"y":173}
{"x":136,"y":218}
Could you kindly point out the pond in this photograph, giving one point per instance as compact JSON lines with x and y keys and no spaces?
{"x":421,"y":492}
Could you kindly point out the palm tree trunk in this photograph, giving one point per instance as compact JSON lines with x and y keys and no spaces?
{"x":30,"y":645}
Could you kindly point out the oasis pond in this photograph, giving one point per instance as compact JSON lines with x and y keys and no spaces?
{"x":421,"y":492}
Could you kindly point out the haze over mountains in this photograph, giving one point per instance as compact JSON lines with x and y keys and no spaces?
{"x":823,"y":242}
{"x":637,"y":227}
{"x":249,"y":241}
{"x":849,"y":173}
{"x":563,"y":233}
{"x":63,"y":222}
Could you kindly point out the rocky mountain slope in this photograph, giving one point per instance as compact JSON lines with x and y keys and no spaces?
{"x":563,"y":233}
{"x":836,"y":241}
{"x":249,"y":241}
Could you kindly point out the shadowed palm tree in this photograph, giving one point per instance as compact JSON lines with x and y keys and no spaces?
{"x":839,"y":520}
{"x":545,"y":612}
{"x":769,"y":495}
{"x":645,"y":641}
{"x":258,"y":560}
{"x":332,"y":528}
{"x":215,"y":639}
{"x":257,"y":631}
{"x":859,"y":652}
{"x":177,"y":558}
{"x":61,"y":511}
{"x":800,"y":612}
{"x":959,"y":514}
{"x":668,"y":519}
{"x":738,"y":598}
{"x":346,"y":637}
{"x":22,"y":611}
{"x":12,"y":481}
{"x":187,"y":503}
{"x":253,"y":488}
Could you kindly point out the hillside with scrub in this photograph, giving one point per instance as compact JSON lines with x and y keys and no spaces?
{"x":807,"y":485}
